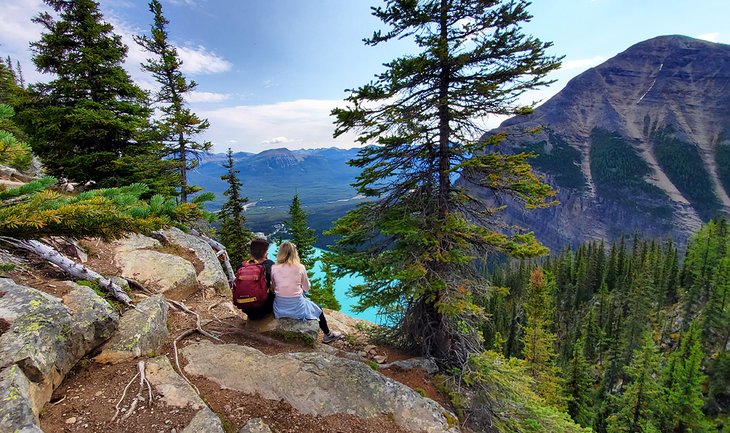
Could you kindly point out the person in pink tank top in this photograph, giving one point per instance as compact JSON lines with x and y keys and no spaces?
{"x":289,"y":281}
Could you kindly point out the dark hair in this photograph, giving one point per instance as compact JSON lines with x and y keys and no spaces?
{"x":259,"y":247}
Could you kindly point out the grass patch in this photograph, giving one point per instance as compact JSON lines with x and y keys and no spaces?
{"x":722,"y":159}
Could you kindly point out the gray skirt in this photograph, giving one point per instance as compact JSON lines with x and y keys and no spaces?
{"x":297,"y":307}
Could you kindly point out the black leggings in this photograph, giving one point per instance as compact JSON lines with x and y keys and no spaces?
{"x":323,"y":324}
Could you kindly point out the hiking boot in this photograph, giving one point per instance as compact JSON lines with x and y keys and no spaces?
{"x":332,"y":336}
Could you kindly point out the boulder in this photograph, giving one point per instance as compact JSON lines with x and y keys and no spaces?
{"x":17,"y":411}
{"x":212,"y":274}
{"x":255,"y":425}
{"x":41,"y":339}
{"x":142,"y":330}
{"x":316,"y":384}
{"x":94,"y":319}
{"x":170,"y":274}
{"x":304,"y":330}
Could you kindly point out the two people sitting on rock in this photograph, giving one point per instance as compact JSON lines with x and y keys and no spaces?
{"x":289,"y":281}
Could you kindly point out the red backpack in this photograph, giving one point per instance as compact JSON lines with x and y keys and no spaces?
{"x":250,"y":289}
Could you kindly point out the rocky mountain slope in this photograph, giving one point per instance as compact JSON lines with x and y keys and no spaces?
{"x":640,"y":143}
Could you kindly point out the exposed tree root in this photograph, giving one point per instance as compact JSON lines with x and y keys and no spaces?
{"x":143,"y":383}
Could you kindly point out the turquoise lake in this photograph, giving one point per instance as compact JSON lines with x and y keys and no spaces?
{"x":342,"y":286}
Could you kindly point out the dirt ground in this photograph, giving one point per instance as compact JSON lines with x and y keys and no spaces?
{"x":87,"y":400}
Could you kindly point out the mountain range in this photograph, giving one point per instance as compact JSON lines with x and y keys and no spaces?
{"x":640,"y":143}
{"x":320,"y":177}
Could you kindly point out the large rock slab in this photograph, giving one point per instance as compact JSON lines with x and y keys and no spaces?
{"x":43,"y":339}
{"x":205,"y":421}
{"x":316,"y":384}
{"x":212,"y":274}
{"x":170,"y":274}
{"x":142,"y":330}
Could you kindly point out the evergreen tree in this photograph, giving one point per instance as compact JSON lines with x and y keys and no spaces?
{"x":304,"y":238}
{"x":415,"y":242}
{"x":88,"y":117}
{"x":234,"y":235}
{"x":538,"y":341}
{"x":685,"y":381}
{"x":639,"y":407}
{"x":178,"y":123}
{"x":579,"y":386}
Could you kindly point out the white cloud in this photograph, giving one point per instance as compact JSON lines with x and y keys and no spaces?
{"x":196,"y":96}
{"x":304,"y":123}
{"x":198,"y":60}
{"x":711,"y":37}
{"x":18,"y":31}
{"x":278,"y":140}
{"x":583,"y":63}
{"x":186,"y":2}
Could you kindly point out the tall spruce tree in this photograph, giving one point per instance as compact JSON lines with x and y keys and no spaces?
{"x":304,"y":238}
{"x":87,"y":119}
{"x":579,"y":386}
{"x":233,"y":233}
{"x":640,"y":405}
{"x":414,"y":243}
{"x":685,"y":382}
{"x":178,"y":123}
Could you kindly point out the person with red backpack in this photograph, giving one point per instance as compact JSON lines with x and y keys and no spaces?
{"x":252,"y":292}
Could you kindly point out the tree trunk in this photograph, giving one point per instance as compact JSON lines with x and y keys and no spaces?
{"x":69,"y":266}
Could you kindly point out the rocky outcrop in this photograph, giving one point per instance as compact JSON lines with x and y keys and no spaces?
{"x":41,"y":339}
{"x":317,"y":384}
{"x":170,"y":274}
{"x":212,"y":274}
{"x":142,"y":331}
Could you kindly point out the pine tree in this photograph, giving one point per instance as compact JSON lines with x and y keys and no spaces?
{"x":579,"y":386}
{"x":684,"y":401}
{"x":88,"y":117}
{"x":538,"y":341}
{"x":178,"y":123}
{"x":304,"y":238}
{"x":639,"y":407}
{"x":414,"y":243}
{"x":233,"y":233}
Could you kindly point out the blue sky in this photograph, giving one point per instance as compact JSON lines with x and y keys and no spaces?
{"x":270,"y":71}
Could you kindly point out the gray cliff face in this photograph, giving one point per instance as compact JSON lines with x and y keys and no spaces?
{"x":640,"y":143}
